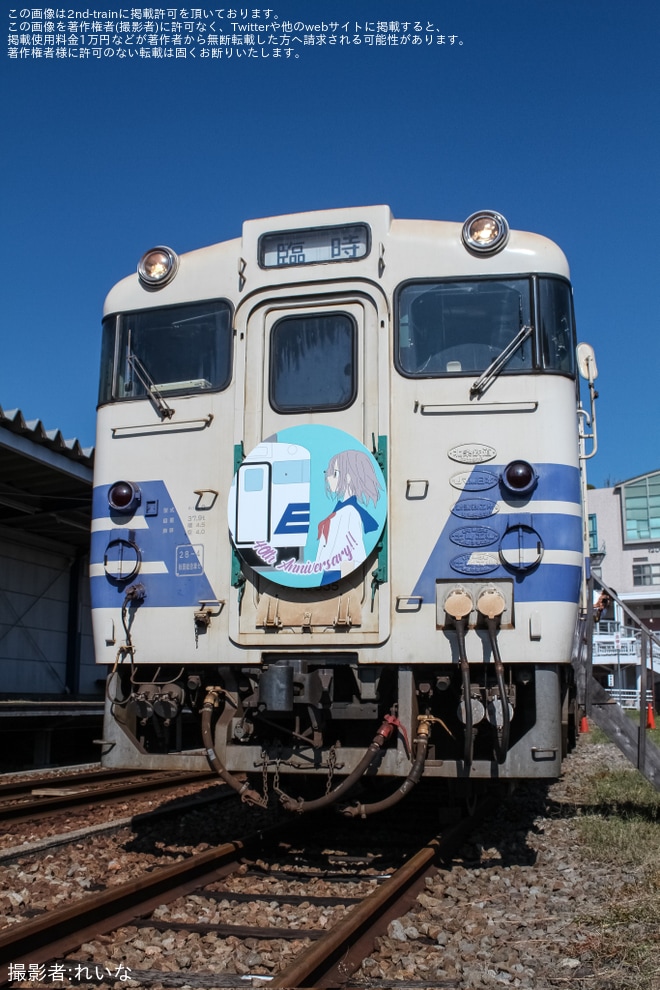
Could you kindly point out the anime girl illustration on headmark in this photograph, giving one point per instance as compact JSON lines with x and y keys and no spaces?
{"x":351,"y":479}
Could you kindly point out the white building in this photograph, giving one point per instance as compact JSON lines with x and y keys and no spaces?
{"x":624,"y":537}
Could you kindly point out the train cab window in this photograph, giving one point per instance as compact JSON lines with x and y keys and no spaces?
{"x":556,"y":323}
{"x":312,"y":363}
{"x":460,"y":327}
{"x":178,"y":350}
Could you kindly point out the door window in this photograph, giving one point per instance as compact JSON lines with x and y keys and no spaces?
{"x":312,"y":363}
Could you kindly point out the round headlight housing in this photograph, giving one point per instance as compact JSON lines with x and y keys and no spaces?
{"x":519,"y":477}
{"x":124,"y":496}
{"x":485,"y":232}
{"x":157,"y":267}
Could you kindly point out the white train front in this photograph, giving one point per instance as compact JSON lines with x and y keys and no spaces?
{"x":338,"y":527}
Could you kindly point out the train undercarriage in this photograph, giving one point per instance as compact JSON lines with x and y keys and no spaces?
{"x":326,"y":716}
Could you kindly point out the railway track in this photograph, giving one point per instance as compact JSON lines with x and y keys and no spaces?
{"x":277,"y":865}
{"x":25,"y":802}
{"x":15,"y":785}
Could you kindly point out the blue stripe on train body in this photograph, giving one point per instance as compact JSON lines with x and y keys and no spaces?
{"x":163,"y":542}
{"x":559,"y":531}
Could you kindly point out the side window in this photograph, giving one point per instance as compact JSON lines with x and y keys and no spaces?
{"x":557,"y":335}
{"x":312,"y":363}
{"x":460,"y":327}
{"x":179,"y":350}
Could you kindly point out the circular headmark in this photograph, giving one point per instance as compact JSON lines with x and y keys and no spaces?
{"x":307,"y":506}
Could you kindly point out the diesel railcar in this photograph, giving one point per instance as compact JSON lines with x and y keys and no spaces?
{"x":338,"y":506}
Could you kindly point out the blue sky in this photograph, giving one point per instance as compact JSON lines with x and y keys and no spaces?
{"x":547,"y":111}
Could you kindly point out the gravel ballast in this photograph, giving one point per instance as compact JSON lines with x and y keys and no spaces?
{"x":522,"y":905}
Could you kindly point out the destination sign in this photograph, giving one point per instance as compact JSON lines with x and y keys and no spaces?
{"x":316,"y":246}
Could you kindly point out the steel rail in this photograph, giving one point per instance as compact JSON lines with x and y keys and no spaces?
{"x":56,"y":933}
{"x":330,"y":961}
{"x":28,"y":809}
{"x":326,"y":963}
{"x":24,"y":786}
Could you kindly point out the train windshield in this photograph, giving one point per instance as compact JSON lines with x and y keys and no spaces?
{"x":461,"y":327}
{"x":313,"y":363}
{"x":179,"y":350}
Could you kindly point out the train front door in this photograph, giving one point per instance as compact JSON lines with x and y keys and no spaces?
{"x":309,"y":502}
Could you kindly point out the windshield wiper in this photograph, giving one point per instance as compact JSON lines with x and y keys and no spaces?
{"x":150,"y":387}
{"x":494,"y":368}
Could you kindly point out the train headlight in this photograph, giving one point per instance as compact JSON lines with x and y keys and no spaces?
{"x":124,"y":496}
{"x":485,"y":232}
{"x":519,"y":477}
{"x":158,"y":267}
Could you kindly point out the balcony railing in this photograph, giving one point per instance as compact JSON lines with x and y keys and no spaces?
{"x":628,"y":649}
{"x":617,"y":644}
{"x":628,"y":699}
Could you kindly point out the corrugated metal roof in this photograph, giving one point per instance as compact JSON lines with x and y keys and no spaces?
{"x":35,"y":431}
{"x":45,"y":483}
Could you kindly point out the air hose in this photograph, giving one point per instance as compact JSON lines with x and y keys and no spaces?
{"x":468,"y":741}
{"x":242,"y":787}
{"x":417,"y":769}
{"x":502,"y":744}
{"x":301,"y":806}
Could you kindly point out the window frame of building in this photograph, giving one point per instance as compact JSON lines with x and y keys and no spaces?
{"x":645,"y":575}
{"x":640,"y":509}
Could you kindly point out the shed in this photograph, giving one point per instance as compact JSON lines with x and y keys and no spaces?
{"x":45,"y":511}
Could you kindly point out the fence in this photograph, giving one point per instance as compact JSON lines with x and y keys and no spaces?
{"x":627,"y":698}
{"x":607,"y":708}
